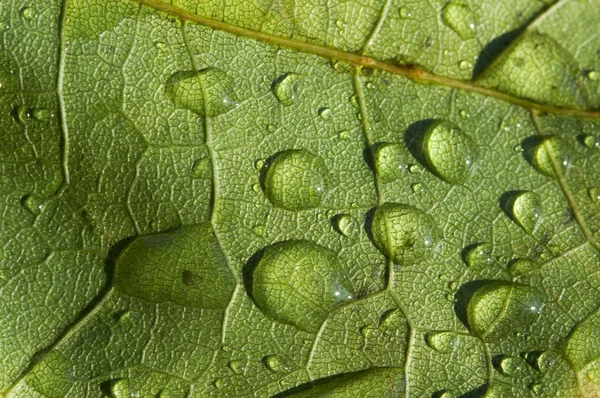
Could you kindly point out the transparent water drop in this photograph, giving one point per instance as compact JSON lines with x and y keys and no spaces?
{"x":41,"y":114}
{"x":218,"y":383}
{"x":202,"y":169}
{"x":340,"y":24}
{"x":550,"y":156}
{"x":28,"y":13}
{"x":259,"y":164}
{"x":441,"y":341}
{"x":275,"y":363}
{"x":417,"y":188}
{"x":270,"y":128}
{"x":518,"y":148}
{"x":346,"y":225}
{"x":547,"y":360}
{"x":33,"y":204}
{"x":403,"y":233}
{"x":499,"y":308}
{"x":591,"y":142}
{"x":464,"y":114}
{"x":296,"y":180}
{"x":480,"y":256}
{"x":537,"y":388}
{"x":344,"y":135}
{"x":354,"y":101}
{"x":369,"y":332}
{"x":160,"y":45}
{"x":122,"y":389}
{"x":464,"y":65}
{"x":522,"y":267}
{"x":258,"y":230}
{"x":414,"y":168}
{"x":593,"y":75}
{"x":298,"y":282}
{"x":449,"y":152}
{"x":583,"y":345}
{"x":325,"y":113}
{"x":512,"y":366}
{"x":527,"y":210}
{"x":594,"y":194}
{"x":390,"y":161}
{"x":208,"y":92}
{"x":392,"y":319}
{"x":447,"y":394}
{"x":237,"y":366}
{"x":460,"y":19}
{"x":286,"y":87}
{"x":404,"y":12}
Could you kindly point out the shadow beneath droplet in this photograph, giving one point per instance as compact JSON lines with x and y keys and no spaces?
{"x":262,"y":175}
{"x":493,"y":49}
{"x":369,"y":215}
{"x":529,"y":146}
{"x":248,"y":270}
{"x":477,"y":392}
{"x":506,"y":202}
{"x":413,"y":139}
{"x":334,"y":380}
{"x":581,"y":139}
{"x":463,"y":295}
{"x":467,"y":249}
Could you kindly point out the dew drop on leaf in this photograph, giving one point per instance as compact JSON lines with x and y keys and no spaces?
{"x":403,"y":233}
{"x":511,"y":366}
{"x":275,"y":363}
{"x":522,"y":267}
{"x":441,"y":341}
{"x":549,"y":156}
{"x":259,"y":164}
{"x":449,"y":152}
{"x":404,"y":13}
{"x":547,"y":360}
{"x":464,"y":65}
{"x":499,"y":308}
{"x":32,"y":203}
{"x":390,"y":161}
{"x":583,"y":345}
{"x":344,"y":135}
{"x":202,"y":169}
{"x":237,"y":366}
{"x":346,"y":225}
{"x":460,"y":19}
{"x":41,"y":114}
{"x":527,"y":210}
{"x":298,"y":282}
{"x":218,"y":383}
{"x":28,"y":13}
{"x":417,"y":188}
{"x":325,"y":113}
{"x":480,"y":256}
{"x":208,"y":92}
{"x":296,"y":180}
{"x":464,"y":114}
{"x":591,"y":141}
{"x":594,"y":194}
{"x":122,"y":389}
{"x":286,"y":87}
{"x":593,"y":75}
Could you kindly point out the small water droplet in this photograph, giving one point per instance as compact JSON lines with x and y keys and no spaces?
{"x":414,"y":168}
{"x":460,"y":19}
{"x":480,"y":256}
{"x":28,"y":13}
{"x":237,"y":366}
{"x":518,"y":148}
{"x":464,"y":65}
{"x":594,"y":194}
{"x":344,"y":135}
{"x":286,"y":87}
{"x":593,"y":75}
{"x":549,"y":154}
{"x":448,"y":394}
{"x":547,"y":360}
{"x":449,"y":152}
{"x":325,"y":113}
{"x":369,"y":332}
{"x":258,"y":230}
{"x":340,"y":24}
{"x":354,"y":101}
{"x":390,"y":161}
{"x":464,"y":114}
{"x":404,"y":13}
{"x":33,"y":204}
{"x":441,"y":341}
{"x":522,"y":267}
{"x":160,"y":45}
{"x":417,"y":188}
{"x":207,"y":92}
{"x":370,"y":86}
{"x":202,"y":169}
{"x":122,"y":389}
{"x":511,"y":366}
{"x":403,"y":233}
{"x":256,"y":188}
{"x":275,"y":363}
{"x":270,"y":128}
{"x":392,"y":320}
{"x":259,"y":164}
{"x":527,"y":210}
{"x":537,"y":388}
{"x":298,"y":282}
{"x":296,"y":180}
{"x":346,"y":225}
{"x":218,"y":383}
{"x":591,"y":142}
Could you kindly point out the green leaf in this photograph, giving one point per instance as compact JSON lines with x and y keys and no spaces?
{"x":273,"y":198}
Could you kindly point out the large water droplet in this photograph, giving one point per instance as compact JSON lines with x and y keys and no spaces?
{"x":296,"y":180}
{"x":441,"y":341}
{"x":346,"y":225}
{"x":550,"y":156}
{"x":403,"y":233}
{"x":185,"y":266}
{"x":583,"y":345}
{"x":390,"y":160}
{"x":299,"y":283}
{"x":449,"y":153}
{"x":527,"y":210}
{"x":286,"y":87}
{"x":460,"y":19}
{"x":207,"y":92}
{"x":500,"y":308}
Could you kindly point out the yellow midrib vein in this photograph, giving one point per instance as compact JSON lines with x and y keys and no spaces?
{"x":415,"y":74}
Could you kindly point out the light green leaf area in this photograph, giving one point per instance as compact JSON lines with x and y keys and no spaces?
{"x":372,"y":198}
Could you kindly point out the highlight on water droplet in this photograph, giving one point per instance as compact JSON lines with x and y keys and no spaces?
{"x":499,"y":308}
{"x":296,"y":180}
{"x":459,"y":17}
{"x":404,"y":233}
{"x":237,"y":366}
{"x":344,"y":135}
{"x":325,"y":113}
{"x":417,"y":187}
{"x":591,"y":141}
{"x":441,"y":341}
{"x":208,"y":92}
{"x":299,"y":283}
{"x":464,"y":65}
{"x":33,"y":204}
{"x":549,"y":156}
{"x":404,"y":12}
{"x":286,"y":87}
{"x":28,"y":13}
{"x":449,"y":152}
{"x":594,"y":194}
{"x":346,"y":225}
{"x":390,"y":161}
{"x":464,"y":114}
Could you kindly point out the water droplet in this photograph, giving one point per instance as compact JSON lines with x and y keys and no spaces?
{"x":344,"y":135}
{"x":583,"y":345}
{"x":403,"y":233}
{"x":390,"y":161}
{"x":449,"y":152}
{"x":41,"y":114}
{"x":270,"y":128}
{"x":237,"y":366}
{"x":325,"y":113}
{"x":218,"y":383}
{"x":593,"y":75}
{"x":549,"y":154}
{"x":537,"y":388}
{"x":464,"y":65}
{"x":259,"y":164}
{"x":207,"y":92}
{"x":522,"y":267}
{"x":392,"y":319}
{"x":417,"y":188}
{"x":369,"y":332}
{"x":527,"y":210}
{"x":21,"y":114}
{"x":464,"y":114}
{"x":122,"y":389}
{"x":511,"y":366}
{"x":594,"y":194}
{"x":518,"y":148}
{"x":441,"y":341}
{"x":500,"y":308}
{"x":547,"y":360}
{"x":256,"y":188}
{"x":286,"y":87}
{"x":202,"y":169}
{"x":160,"y":45}
{"x":346,"y":225}
{"x":447,"y":394}
{"x":28,"y":13}
{"x":296,"y":180}
{"x":414,"y":168}
{"x":480,"y":256}
{"x":299,"y":283}
{"x":591,"y":142}
{"x":275,"y":363}
{"x":370,"y":86}
{"x":404,"y":13}
{"x":32,"y":203}
{"x":340,"y":24}
{"x":354,"y":101}
{"x":460,"y":19}
{"x":193,"y":269}
{"x":258,"y":230}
